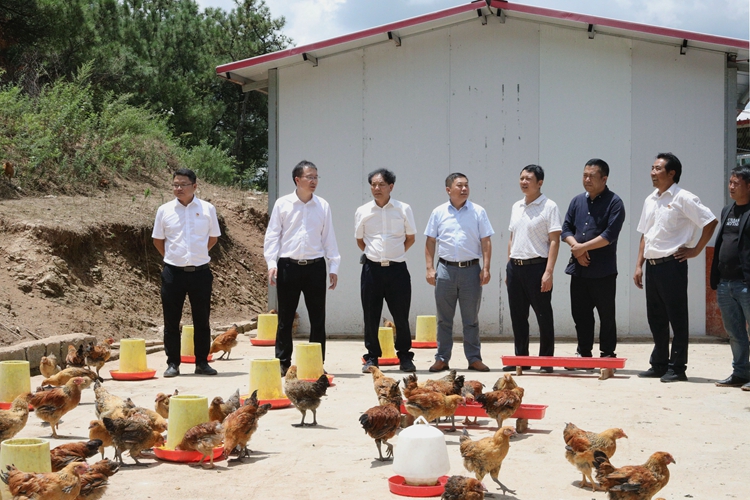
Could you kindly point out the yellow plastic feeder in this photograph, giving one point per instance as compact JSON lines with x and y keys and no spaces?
{"x":267,"y":326}
{"x":15,"y":379}
{"x":387,"y":349}
{"x":265,"y":377}
{"x":426,"y":332}
{"x":185,"y":411}
{"x":27,"y":454}
{"x":133,"y":364}
{"x":309,"y":358}
{"x":187,"y":345}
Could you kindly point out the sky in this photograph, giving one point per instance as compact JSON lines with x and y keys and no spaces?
{"x":309,"y":21}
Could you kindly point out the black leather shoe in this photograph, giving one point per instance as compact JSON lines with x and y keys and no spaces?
{"x":732,"y":381}
{"x":407,"y":366}
{"x":204,"y":369}
{"x":652,"y":373}
{"x":171,"y":371}
{"x":672,"y":376}
{"x":367,"y":365}
{"x":546,"y":369}
{"x":512,"y":368}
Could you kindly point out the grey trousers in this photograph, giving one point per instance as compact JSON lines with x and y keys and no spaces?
{"x":455,"y":284}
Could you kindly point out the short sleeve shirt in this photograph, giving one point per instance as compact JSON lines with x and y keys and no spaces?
{"x":186,"y":230}
{"x":384,"y":230}
{"x":459,"y":231}
{"x":531,"y":225}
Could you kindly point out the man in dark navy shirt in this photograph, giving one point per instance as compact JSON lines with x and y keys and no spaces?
{"x":730,"y":274}
{"x":591,"y":228}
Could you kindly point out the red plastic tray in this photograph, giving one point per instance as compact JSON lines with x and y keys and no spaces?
{"x":262,"y":342}
{"x":330,"y":380}
{"x":117,"y":375}
{"x":191,"y":359}
{"x":185,"y":456}
{"x":6,"y":406}
{"x":423,"y":345}
{"x":527,"y":411}
{"x":398,"y":485}
{"x":275,"y":403}
{"x":571,"y":362}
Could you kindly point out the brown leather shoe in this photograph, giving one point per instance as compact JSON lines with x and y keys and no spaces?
{"x":439,"y":366}
{"x":479,"y":366}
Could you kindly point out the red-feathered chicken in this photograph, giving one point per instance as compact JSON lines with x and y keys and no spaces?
{"x":98,"y":355}
{"x":63,"y":485}
{"x":433,"y":405}
{"x":51,"y":405}
{"x":304,"y":394}
{"x":94,"y":480}
{"x":463,"y":488}
{"x":501,"y":404}
{"x":203,"y":438}
{"x":381,"y":422}
{"x":580,"y":446}
{"x":486,"y":455}
{"x":633,"y":482}
{"x":65,"y":454}
{"x":76,"y":356}
{"x":225,"y":342}
{"x":14,"y":419}
{"x":240,"y":426}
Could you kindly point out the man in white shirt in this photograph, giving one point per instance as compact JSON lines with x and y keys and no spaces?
{"x":384,"y":229}
{"x":532,"y":253}
{"x":299,"y":240}
{"x":185,"y":229}
{"x":671,"y":220}
{"x":461,"y":231}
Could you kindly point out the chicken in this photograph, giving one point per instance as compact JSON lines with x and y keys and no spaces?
{"x":155,"y":421}
{"x":501,"y":404}
{"x":62,"y":485}
{"x":8,"y":170}
{"x":14,"y":418}
{"x":225,"y":342}
{"x":94,"y":480}
{"x":581,"y":445}
{"x":65,"y":454}
{"x":633,"y":482}
{"x":107,"y":404}
{"x":219,"y":409}
{"x":51,"y":405}
{"x":203,"y":438}
{"x":76,"y":357}
{"x":304,"y":394}
{"x":381,"y":383}
{"x":450,"y":384}
{"x":240,"y":425}
{"x":433,"y":405}
{"x":97,"y":355}
{"x":470,"y":390}
{"x":99,"y":432}
{"x":381,"y":422}
{"x":486,"y":455}
{"x":161,"y":403}
{"x":132,"y":435}
{"x":61,"y":378}
{"x":48,"y":366}
{"x":506,"y":382}
{"x":463,"y":488}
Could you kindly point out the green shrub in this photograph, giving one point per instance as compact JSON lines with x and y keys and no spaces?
{"x":210,"y":163}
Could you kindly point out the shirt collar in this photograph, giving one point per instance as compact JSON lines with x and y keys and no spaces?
{"x":451,"y":207}
{"x":672,"y":190}
{"x":539,"y":200}
{"x":605,"y":191}
{"x":296,"y":199}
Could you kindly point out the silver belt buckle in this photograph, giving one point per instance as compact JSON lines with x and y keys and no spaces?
{"x":385,"y":263}
{"x":463,"y":264}
{"x":652,"y":262}
{"x":302,"y":262}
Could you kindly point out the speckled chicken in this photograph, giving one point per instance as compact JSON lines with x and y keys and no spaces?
{"x":501,"y":404}
{"x":51,"y":405}
{"x":470,"y":391}
{"x":382,"y":383}
{"x":219,"y":409}
{"x":225,"y":342}
{"x":381,"y":422}
{"x":433,"y":405}
{"x":304,"y":394}
{"x":62,"y":485}
{"x":131,"y":435}
{"x":48,"y":366}
{"x":109,"y":405}
{"x":448,"y":385}
{"x":14,"y":418}
{"x":94,"y":481}
{"x":65,"y":454}
{"x":486,"y":455}
{"x":156,"y":421}
{"x":633,"y":482}
{"x":580,"y":446}
{"x":98,"y":355}
{"x":240,"y":426}
{"x":203,"y":438}
{"x":61,"y":378}
{"x":463,"y":488}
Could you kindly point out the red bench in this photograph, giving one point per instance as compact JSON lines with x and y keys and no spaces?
{"x":607,"y":365}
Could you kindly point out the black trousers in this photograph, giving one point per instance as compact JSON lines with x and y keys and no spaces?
{"x":392,"y":283}
{"x":524,"y":291}
{"x":587,"y":294}
{"x":667,"y":304}
{"x":292,"y":280}
{"x":197,"y":286}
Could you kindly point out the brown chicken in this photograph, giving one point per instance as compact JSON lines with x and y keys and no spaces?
{"x":506,"y":382}
{"x":304,"y":394}
{"x":76,"y":356}
{"x":107,"y":404}
{"x":62,"y":485}
{"x":161,"y":403}
{"x":51,"y":405}
{"x":48,"y":366}
{"x":463,"y":488}
{"x":225,"y":342}
{"x":94,"y":480}
{"x":99,"y":432}
{"x":203,"y":438}
{"x":470,"y":390}
{"x":486,"y":455}
{"x":98,"y":355}
{"x":154,"y":420}
{"x":65,"y":454}
{"x":8,"y":170}
{"x":433,"y":405}
{"x":14,"y":418}
{"x":240,"y":426}
{"x":219,"y":409}
{"x":382,"y":383}
{"x":501,"y":404}
{"x":61,"y":378}
{"x":580,"y":446}
{"x":381,"y":422}
{"x":132,"y":435}
{"x":448,"y":385}
{"x":633,"y":482}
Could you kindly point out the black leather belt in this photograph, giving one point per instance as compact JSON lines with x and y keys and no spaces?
{"x":528,"y":262}
{"x":384,"y":263}
{"x":466,"y":263}
{"x":304,"y":262}
{"x":656,"y":262}
{"x":189,"y":269}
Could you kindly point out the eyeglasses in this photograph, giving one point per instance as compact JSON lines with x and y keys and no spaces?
{"x":311,"y":177}
{"x":181,"y":186}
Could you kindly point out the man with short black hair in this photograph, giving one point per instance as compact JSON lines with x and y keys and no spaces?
{"x":670,"y":220}
{"x":730,"y":275}
{"x":185,"y":229}
{"x":384,"y":229}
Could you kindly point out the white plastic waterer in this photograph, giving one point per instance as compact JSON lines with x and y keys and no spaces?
{"x":421,"y":455}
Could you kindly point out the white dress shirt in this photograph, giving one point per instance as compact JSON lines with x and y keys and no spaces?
{"x":301,"y":231}
{"x":186,"y":230}
{"x":384,"y":230}
{"x":459,"y":232}
{"x":531,"y":225}
{"x":674,"y":219}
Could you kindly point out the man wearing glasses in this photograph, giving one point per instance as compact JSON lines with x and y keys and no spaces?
{"x":185,"y":229}
{"x":384,"y":229}
{"x":299,"y":240}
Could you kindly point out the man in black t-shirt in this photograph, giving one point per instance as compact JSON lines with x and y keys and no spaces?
{"x":730,"y":275}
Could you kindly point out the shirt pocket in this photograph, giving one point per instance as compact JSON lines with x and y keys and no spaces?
{"x":201,"y":225}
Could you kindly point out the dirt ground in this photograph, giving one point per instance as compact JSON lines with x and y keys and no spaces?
{"x":704,"y":427}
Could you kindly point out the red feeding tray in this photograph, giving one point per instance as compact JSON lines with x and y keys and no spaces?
{"x":527,"y":411}
{"x":263,"y":342}
{"x":398,"y":485}
{"x":191,"y":359}
{"x":185,"y":456}
{"x":275,"y":403}
{"x":117,"y":375}
{"x":6,"y":406}
{"x":330,"y":380}
{"x":423,"y":345}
